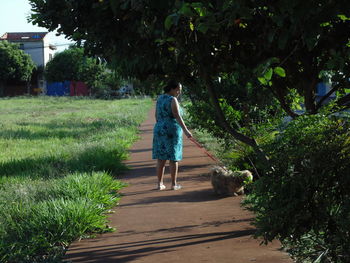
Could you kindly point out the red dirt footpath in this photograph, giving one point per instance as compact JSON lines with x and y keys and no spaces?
{"x":189,"y":225}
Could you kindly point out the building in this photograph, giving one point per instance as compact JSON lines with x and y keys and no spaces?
{"x":41,"y":51}
{"x":322,"y":89}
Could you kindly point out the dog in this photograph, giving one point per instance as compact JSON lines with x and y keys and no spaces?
{"x":228,"y":183}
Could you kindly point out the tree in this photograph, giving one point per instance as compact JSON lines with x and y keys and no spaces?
{"x":281,"y":45}
{"x":276,"y":49}
{"x":15,"y":64}
{"x":279,"y":49}
{"x":72,"y":64}
{"x":131,"y":33}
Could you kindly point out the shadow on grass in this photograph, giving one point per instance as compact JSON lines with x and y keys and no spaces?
{"x":92,"y":159}
{"x":40,"y":135}
{"x":66,"y":129}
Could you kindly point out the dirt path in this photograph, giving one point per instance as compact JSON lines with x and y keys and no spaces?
{"x":190,"y":225}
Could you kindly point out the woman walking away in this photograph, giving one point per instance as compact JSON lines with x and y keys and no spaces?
{"x":167,"y":133}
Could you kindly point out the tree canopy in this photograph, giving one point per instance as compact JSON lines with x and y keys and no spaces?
{"x":72,"y":64}
{"x":284,"y":47}
{"x":15,"y":64}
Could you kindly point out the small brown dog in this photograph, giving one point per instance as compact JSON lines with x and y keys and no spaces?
{"x":228,"y":183}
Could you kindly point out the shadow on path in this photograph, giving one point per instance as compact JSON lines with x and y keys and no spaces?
{"x":126,"y":252}
{"x":203,"y":195}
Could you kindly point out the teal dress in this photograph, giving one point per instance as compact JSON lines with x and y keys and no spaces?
{"x":167,"y":133}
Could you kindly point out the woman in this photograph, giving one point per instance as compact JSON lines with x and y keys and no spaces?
{"x":167,"y":133}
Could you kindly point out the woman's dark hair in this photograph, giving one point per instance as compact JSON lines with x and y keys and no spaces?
{"x":172,"y":84}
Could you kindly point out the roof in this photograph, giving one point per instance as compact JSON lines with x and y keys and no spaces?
{"x":24,"y":36}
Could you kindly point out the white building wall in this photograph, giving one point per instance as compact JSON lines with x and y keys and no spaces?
{"x":40,"y":55}
{"x":47,"y":51}
{"x":35,"y":50}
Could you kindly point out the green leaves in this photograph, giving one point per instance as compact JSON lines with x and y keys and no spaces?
{"x":71,"y":64}
{"x":171,"y":20}
{"x":268,"y":74}
{"x":16,"y":65}
{"x":186,"y":10}
{"x":200,"y":9}
{"x":266,"y":79}
{"x":191,"y":26}
{"x":279,"y":71}
{"x":343,"y":17}
{"x":310,"y":163}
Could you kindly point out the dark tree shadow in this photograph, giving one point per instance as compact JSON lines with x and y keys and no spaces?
{"x":204,"y":195}
{"x":92,"y":159}
{"x":126,"y":252}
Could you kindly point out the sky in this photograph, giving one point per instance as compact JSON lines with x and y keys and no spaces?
{"x":13,"y":18}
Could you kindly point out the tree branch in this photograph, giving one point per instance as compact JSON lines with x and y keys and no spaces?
{"x":344,"y":101}
{"x":319,"y":104}
{"x":284,"y":104}
{"x":223,"y":122}
{"x":221,"y":117}
{"x":309,"y":97}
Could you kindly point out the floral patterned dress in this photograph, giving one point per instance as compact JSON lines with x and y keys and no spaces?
{"x":167,"y":133}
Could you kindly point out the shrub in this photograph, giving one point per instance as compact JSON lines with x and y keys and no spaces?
{"x":305,"y":200}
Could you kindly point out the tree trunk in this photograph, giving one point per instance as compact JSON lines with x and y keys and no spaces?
{"x":28,"y":87}
{"x":309,"y":96}
{"x":311,"y":73}
{"x":222,"y":119}
{"x":282,"y":100}
{"x":2,"y":88}
{"x":223,"y":123}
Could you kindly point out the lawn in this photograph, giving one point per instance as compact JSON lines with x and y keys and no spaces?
{"x":58,"y":162}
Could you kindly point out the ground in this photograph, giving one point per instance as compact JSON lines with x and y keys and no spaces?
{"x":189,"y":225}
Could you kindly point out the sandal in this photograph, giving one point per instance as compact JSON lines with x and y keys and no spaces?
{"x":176,"y":187}
{"x":161,"y":187}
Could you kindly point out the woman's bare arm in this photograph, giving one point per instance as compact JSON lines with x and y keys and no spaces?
{"x":155,"y":115}
{"x":176,"y":113}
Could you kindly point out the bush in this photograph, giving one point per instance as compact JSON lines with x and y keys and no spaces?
{"x":305,"y":201}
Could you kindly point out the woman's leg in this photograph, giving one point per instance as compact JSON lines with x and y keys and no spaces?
{"x":174,"y":165}
{"x":160,"y":171}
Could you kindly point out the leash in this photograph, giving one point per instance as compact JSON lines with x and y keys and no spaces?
{"x":204,"y":150}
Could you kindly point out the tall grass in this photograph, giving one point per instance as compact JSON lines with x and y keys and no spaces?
{"x":58,"y":160}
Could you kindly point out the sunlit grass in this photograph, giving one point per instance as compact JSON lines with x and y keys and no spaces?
{"x":58,"y":160}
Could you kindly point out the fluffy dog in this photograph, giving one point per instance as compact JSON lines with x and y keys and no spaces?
{"x":228,"y":183}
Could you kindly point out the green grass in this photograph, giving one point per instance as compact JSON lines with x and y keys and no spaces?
{"x":58,"y":162}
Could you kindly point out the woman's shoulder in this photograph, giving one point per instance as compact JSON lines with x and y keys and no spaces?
{"x":166,"y":97}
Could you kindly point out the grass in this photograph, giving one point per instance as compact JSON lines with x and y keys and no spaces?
{"x":58,"y":162}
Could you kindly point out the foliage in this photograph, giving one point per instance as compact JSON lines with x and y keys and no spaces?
{"x":72,"y":64}
{"x":305,"y":200}
{"x":15,"y":64}
{"x":59,"y":188}
{"x":200,"y":41}
{"x":107,"y":85}
{"x":245,"y":107}
{"x":151,"y":86}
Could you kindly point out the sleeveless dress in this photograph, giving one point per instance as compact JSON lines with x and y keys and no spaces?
{"x":167,"y":133}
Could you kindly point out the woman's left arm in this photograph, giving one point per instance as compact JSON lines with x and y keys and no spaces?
{"x":176,"y":112}
{"x":155,"y":115}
